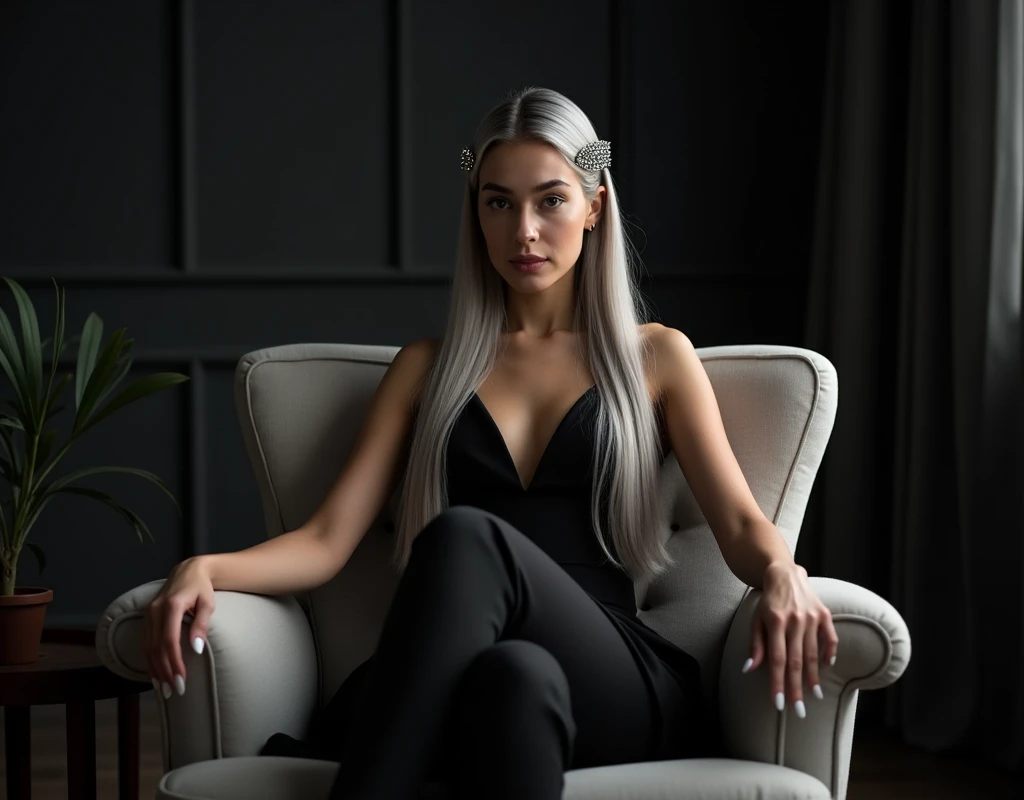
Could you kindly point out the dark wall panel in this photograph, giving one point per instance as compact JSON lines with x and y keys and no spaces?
{"x":234,"y":511}
{"x":86,"y":140}
{"x":219,"y":178}
{"x":463,"y":58}
{"x":292,"y":134}
{"x":195,"y":319}
{"x":724,"y":121}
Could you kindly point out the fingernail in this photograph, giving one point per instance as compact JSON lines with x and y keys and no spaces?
{"x":800,"y":710}
{"x":167,"y":691}
{"x":780,"y":701}
{"x":179,"y":685}
{"x":832,"y":661}
{"x":817,"y":691}
{"x":197,"y":645}
{"x":748,"y":664}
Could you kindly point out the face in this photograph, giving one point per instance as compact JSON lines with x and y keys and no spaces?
{"x":531,"y":205}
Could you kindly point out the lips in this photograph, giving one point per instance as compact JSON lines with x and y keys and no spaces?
{"x":528,"y":259}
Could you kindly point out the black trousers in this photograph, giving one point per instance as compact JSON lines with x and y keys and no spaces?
{"x":495,"y":672}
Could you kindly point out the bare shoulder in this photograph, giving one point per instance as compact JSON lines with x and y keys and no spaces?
{"x":672,"y":353}
{"x":411,"y":366}
{"x":663,"y":337}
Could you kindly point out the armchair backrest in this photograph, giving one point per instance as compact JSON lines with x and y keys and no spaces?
{"x":300,"y":407}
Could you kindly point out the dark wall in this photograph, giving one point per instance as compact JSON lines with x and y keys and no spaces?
{"x":219,"y":177}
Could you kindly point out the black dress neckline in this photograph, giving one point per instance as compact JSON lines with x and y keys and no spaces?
{"x":543,"y":457}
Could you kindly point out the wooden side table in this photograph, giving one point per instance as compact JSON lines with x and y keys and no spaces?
{"x":69,"y":671}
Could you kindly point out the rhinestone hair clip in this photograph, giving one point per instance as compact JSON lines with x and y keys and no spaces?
{"x":594,"y":156}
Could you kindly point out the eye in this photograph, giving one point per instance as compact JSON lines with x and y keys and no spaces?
{"x":558,"y":200}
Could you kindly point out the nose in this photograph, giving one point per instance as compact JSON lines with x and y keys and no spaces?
{"x":526,"y":228}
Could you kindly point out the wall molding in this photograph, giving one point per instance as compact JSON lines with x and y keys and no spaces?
{"x":345,"y":276}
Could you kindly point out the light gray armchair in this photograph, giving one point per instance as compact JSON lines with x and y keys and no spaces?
{"x":272,"y":661}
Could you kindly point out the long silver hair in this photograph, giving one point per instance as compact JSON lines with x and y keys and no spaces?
{"x":608,"y":309}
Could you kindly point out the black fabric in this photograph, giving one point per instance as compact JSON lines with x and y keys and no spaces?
{"x":554,"y":511}
{"x":510,"y":578}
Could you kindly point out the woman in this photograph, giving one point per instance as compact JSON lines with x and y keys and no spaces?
{"x":530,"y":439}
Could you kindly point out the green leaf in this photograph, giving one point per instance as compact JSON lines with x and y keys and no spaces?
{"x":124,"y":364}
{"x":58,"y":346}
{"x":38,"y":553}
{"x":32,"y":348}
{"x":46,"y":441}
{"x":99,"y":378}
{"x":55,"y":393}
{"x":8,"y":443}
{"x":11,"y":422}
{"x":10,"y":361}
{"x":88,"y":347}
{"x":68,"y":341}
{"x":143,"y":387}
{"x":8,"y":470}
{"x":133,"y":519}
{"x":58,"y":484}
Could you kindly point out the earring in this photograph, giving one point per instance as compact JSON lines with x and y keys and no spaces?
{"x":591,"y":227}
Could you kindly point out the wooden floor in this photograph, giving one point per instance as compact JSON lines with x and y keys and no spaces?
{"x":881,"y":768}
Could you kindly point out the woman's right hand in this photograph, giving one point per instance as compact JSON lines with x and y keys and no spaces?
{"x":188,"y":588}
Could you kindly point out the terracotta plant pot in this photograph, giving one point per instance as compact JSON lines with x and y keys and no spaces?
{"x":21,"y":624}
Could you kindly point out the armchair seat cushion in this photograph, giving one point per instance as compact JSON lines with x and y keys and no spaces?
{"x":282,"y":778}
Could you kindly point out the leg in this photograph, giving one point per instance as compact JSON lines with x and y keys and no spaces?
{"x":513,"y":729}
{"x":18,"y":746}
{"x":81,"y":742}
{"x":472,"y":580}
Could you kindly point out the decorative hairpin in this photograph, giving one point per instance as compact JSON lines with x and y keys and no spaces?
{"x":594,"y":156}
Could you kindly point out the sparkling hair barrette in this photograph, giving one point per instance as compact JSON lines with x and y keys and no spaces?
{"x":594,"y":156}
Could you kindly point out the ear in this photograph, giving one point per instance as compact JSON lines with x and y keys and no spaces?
{"x":596,"y":207}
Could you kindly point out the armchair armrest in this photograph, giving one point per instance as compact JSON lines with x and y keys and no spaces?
{"x":257,"y":674}
{"x":874,"y":650}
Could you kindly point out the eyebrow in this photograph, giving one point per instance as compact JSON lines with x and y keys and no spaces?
{"x":540,"y":187}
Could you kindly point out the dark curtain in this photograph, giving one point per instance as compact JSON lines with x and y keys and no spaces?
{"x":915,"y":296}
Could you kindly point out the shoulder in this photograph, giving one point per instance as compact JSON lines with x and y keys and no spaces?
{"x":421,"y":351}
{"x":666,"y":340}
{"x":673,"y":355}
{"x":413,"y":363}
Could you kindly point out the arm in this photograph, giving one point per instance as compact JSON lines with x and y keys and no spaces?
{"x":791,"y":618}
{"x":291,"y":563}
{"x":311,"y":555}
{"x":750,"y":543}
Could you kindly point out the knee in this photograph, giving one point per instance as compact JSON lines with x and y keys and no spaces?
{"x":453,"y":526}
{"x":521,"y":676}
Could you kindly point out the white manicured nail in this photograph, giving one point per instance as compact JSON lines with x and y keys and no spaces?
{"x":197,"y":645}
{"x":748,"y":664}
{"x":832,"y":661}
{"x":179,"y":685}
{"x":780,"y":701}
{"x":817,"y":691}
{"x":166,"y":690}
{"x":800,"y":710}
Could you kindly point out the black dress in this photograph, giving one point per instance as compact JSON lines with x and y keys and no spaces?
{"x":554,"y":512}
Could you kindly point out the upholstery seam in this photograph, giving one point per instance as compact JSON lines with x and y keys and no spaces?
{"x":815,"y":402}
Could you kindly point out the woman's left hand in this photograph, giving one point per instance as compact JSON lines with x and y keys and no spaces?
{"x":792,"y":621}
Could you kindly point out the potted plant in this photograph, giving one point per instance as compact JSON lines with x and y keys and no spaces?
{"x":29,"y":450}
